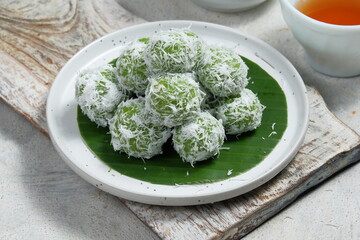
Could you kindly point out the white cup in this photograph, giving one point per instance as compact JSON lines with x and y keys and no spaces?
{"x":331,"y":49}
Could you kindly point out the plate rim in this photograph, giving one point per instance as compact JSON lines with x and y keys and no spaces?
{"x":156,"y":198}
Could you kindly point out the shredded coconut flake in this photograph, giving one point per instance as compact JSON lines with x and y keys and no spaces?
{"x":132,"y":71}
{"x":97,"y":94}
{"x":240,"y":114}
{"x":173,"y":99}
{"x":176,"y":51}
{"x":132,"y":133}
{"x":222,"y":72}
{"x":224,"y":148}
{"x":272,"y":133}
{"x":199,"y":139}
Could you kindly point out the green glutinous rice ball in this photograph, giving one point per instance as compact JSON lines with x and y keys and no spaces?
{"x":173,"y":99}
{"x":132,"y":132}
{"x":199,"y":139}
{"x":222,"y":72}
{"x":98,"y":95}
{"x":175,"y":51}
{"x":132,"y":71}
{"x":241,"y":113}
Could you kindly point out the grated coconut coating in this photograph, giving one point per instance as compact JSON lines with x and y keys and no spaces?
{"x":132,"y":71}
{"x":209,"y":102}
{"x":174,"y":51}
{"x":173,"y":99}
{"x":241,"y":113}
{"x":97,"y":94}
{"x":133,"y":133}
{"x":199,"y":139}
{"x":162,"y":68}
{"x":222,"y":72}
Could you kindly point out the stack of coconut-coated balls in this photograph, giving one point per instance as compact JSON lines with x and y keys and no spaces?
{"x":172,"y":84}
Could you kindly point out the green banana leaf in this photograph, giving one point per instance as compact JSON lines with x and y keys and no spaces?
{"x":243,"y":153}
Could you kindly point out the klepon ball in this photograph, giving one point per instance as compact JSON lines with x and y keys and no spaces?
{"x":131,"y":69}
{"x":173,"y":99}
{"x":222,"y":72}
{"x":133,"y":133}
{"x":199,"y":139}
{"x":174,"y":51}
{"x":240,"y":114}
{"x":98,"y":95}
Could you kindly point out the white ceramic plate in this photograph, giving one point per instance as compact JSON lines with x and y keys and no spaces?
{"x":64,"y":132}
{"x":228,"y":5}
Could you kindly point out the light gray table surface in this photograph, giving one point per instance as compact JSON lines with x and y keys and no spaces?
{"x":42,"y":198}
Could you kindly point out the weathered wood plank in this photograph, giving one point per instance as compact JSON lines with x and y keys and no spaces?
{"x":329,"y":146}
{"x":37,"y":39}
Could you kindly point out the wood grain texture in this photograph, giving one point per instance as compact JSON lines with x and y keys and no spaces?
{"x":329,"y":146}
{"x":38,"y":38}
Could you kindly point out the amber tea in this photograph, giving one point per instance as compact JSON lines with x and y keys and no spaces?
{"x":339,"y":12}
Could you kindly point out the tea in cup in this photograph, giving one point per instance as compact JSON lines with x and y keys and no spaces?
{"x":329,"y":31}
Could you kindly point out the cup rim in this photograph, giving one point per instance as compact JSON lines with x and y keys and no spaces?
{"x":317,"y":22}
